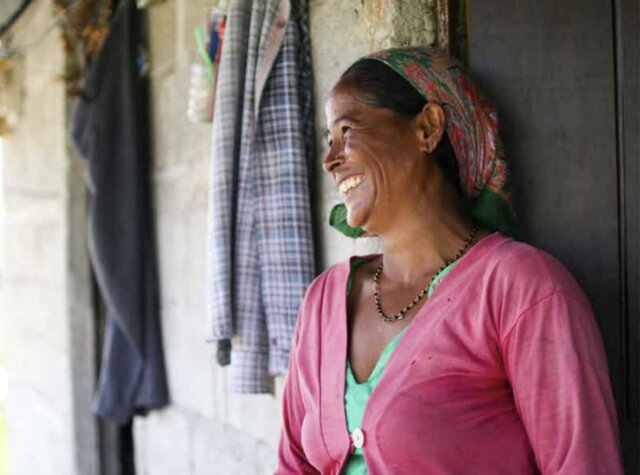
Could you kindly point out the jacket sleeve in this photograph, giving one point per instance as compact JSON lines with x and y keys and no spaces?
{"x":291,"y":456}
{"x":556,"y":364}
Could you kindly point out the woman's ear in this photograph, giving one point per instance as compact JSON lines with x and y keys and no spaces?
{"x":431,"y":126}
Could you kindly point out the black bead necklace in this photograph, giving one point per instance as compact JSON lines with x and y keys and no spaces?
{"x":401,"y":314}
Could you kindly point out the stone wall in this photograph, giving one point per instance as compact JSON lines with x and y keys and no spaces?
{"x":47,"y":333}
{"x":47,"y":314}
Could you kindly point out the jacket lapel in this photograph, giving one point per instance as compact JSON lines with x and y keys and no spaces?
{"x":274,"y":26}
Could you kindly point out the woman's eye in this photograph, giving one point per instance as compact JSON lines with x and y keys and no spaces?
{"x":345,"y":129}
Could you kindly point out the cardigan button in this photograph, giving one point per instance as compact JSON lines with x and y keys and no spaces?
{"x":357,"y":436}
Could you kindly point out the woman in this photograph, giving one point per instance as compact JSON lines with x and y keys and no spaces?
{"x":483,"y":351}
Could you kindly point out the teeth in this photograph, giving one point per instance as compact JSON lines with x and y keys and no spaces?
{"x":349,"y":183}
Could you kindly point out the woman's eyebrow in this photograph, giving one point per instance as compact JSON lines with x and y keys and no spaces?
{"x":347,"y":116}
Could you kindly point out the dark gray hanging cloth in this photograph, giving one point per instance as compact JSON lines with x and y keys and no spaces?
{"x":110,"y":128}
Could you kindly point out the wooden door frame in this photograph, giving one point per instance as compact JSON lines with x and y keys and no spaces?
{"x":452,"y":36}
{"x":451,"y":27}
{"x":621,"y":326}
{"x":626,"y":52}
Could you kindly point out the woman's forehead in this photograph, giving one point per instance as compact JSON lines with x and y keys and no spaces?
{"x":343,"y":101}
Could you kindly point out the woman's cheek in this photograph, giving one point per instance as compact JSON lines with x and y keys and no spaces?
{"x":358,"y":148}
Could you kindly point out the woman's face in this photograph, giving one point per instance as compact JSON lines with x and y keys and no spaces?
{"x":376,"y":157}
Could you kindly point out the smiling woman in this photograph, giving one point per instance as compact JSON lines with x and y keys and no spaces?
{"x":376,"y":133}
{"x":457,"y":347}
{"x":379,"y":87}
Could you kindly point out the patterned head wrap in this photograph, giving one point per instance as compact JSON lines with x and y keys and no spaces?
{"x":472,"y":128}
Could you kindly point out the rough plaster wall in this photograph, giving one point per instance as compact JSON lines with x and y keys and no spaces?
{"x":205,"y":430}
{"x":47,"y":319}
{"x":414,"y":23}
{"x":400,"y":23}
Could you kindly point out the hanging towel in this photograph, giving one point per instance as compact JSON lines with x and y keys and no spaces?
{"x":260,"y":228}
{"x":110,"y":128}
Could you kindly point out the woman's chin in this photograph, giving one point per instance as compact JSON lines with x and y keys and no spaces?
{"x":352,"y":219}
{"x":359,"y":204}
{"x":356,"y":217}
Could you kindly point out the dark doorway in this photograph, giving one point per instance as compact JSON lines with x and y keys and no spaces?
{"x":565,"y":77}
{"x":115,"y":442}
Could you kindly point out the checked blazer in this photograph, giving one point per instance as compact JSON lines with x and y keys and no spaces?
{"x":261,"y":250}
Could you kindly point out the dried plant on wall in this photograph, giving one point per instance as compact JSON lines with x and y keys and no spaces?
{"x":84,"y":25}
{"x":10,"y":93}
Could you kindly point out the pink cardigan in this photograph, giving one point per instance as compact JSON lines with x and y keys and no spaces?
{"x":502,"y":371}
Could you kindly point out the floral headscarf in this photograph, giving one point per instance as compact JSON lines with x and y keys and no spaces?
{"x":472,"y":128}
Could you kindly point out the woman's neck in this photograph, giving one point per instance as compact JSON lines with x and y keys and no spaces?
{"x":425,"y":237}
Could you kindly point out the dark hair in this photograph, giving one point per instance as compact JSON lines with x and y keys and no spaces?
{"x":377,"y":85}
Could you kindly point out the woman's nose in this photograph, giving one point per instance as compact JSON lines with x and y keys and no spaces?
{"x":332,"y":160}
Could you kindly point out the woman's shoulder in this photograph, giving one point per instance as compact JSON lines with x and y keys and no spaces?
{"x":330,"y":286}
{"x":330,"y":274}
{"x":341,"y":270}
{"x":513,"y":277}
{"x":330,"y":280}
{"x":532,"y":270}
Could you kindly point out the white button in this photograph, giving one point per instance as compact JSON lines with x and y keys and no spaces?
{"x":357,"y":436}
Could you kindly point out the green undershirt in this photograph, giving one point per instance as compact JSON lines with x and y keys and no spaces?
{"x":357,"y":394}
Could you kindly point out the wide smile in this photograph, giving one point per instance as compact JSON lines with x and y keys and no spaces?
{"x":349,"y":184}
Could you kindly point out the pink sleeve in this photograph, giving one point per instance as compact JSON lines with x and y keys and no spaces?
{"x":291,"y":457}
{"x":557,"y":367}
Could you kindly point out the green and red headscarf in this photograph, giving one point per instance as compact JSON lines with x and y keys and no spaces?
{"x":472,"y":128}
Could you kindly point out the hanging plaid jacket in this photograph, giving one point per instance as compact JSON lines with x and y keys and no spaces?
{"x":260,"y":228}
